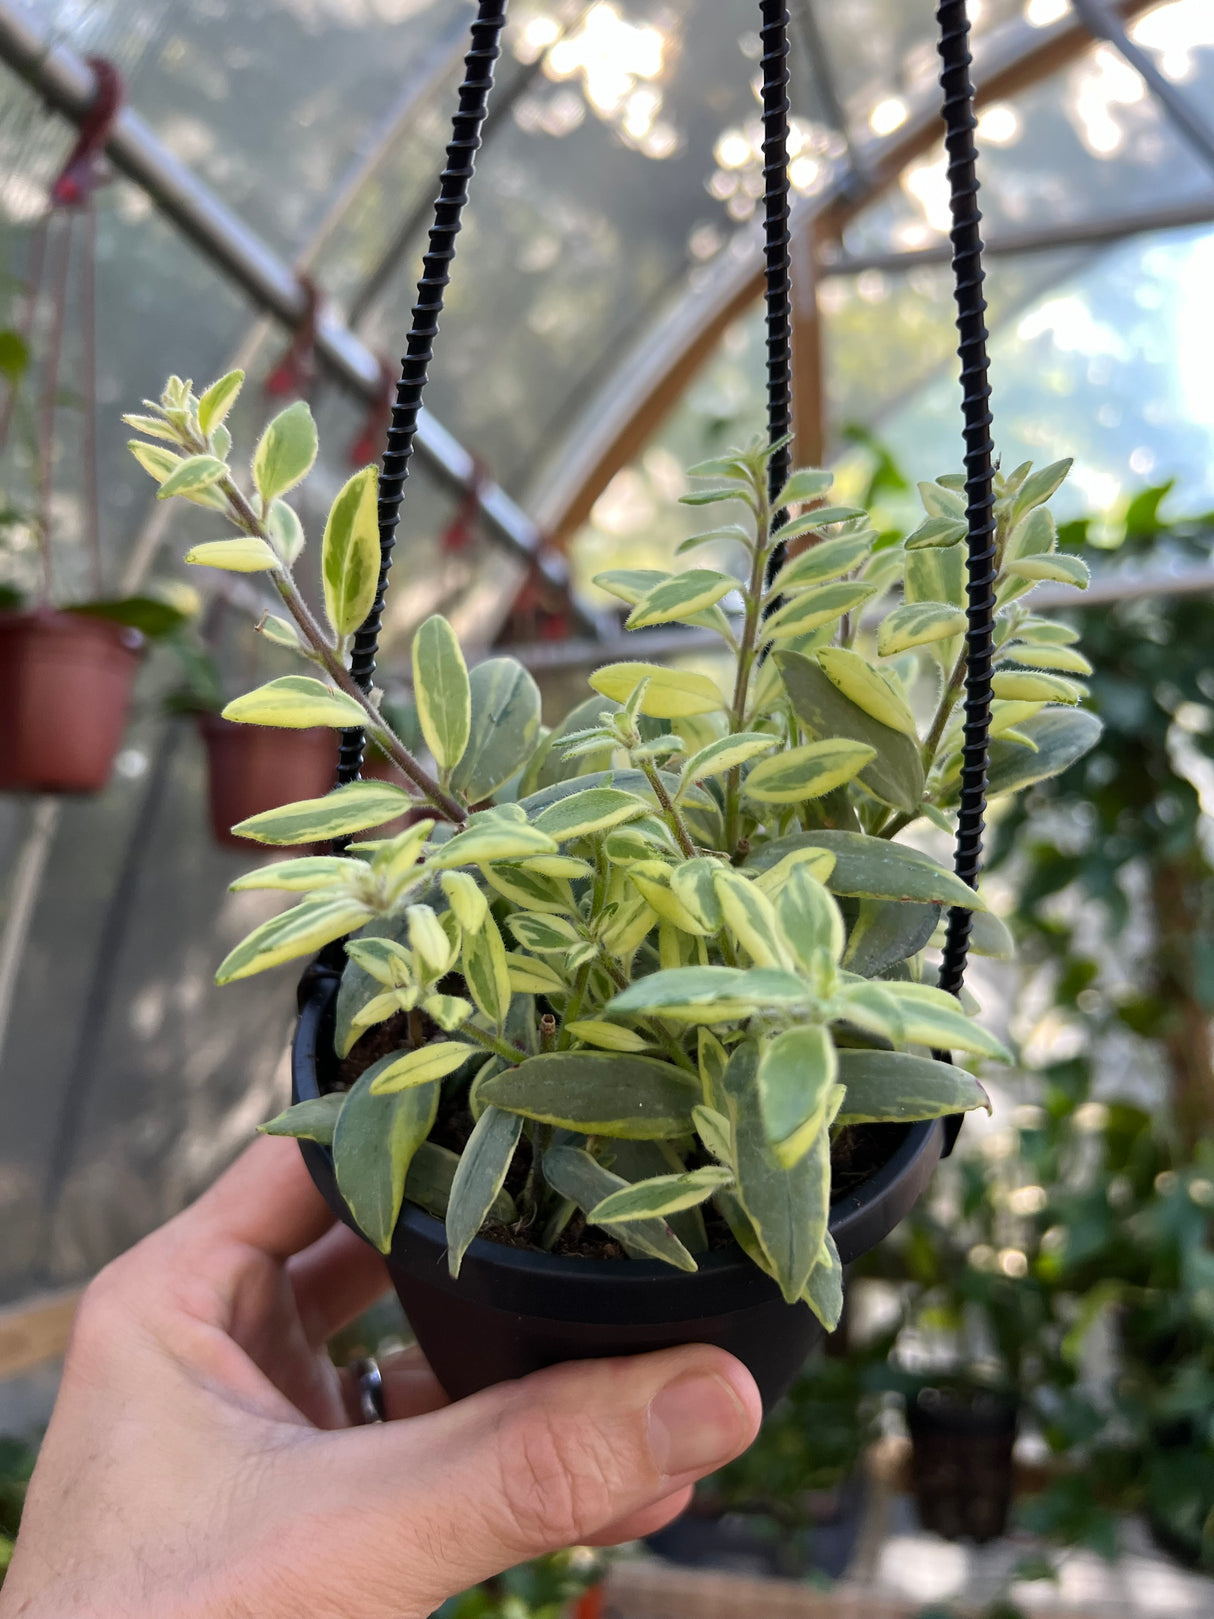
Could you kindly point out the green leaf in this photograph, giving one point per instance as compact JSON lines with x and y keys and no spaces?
{"x":301,"y":876}
{"x":297,"y":932}
{"x":788,"y":1207}
{"x":830,"y":559}
{"x":155,"y":460}
{"x":352,"y":808}
{"x":442,"y":691}
{"x":937,"y":531}
{"x":824,"y":1289}
{"x":710,"y":497}
{"x":810,"y":771}
{"x":936,"y":575}
{"x":991,"y":936}
{"x":660,"y":1197}
{"x":430,"y":1178}
{"x":895,"y":776}
{"x":750,"y":917}
{"x":295,"y":703}
{"x":869,"y":688}
{"x":810,"y":522}
{"x":728,"y":531}
{"x":285,"y":531}
{"x":246,"y":555}
{"x":279,"y":630}
{"x":593,"y":810}
{"x":1040,"y":485}
{"x":932,"y":1018}
{"x":429,"y":1062}
{"x":478,"y":1181}
{"x":875,"y":868}
{"x":810,"y":921}
{"x":886,"y":932}
{"x":670,"y":694}
{"x":710,"y":994}
{"x":1027,"y":686}
{"x":807,"y":483}
{"x":606,"y":1036}
{"x":939,"y":501}
{"x":488,"y":838}
{"x":795,"y":1077}
{"x":918,"y":624}
{"x":721,"y":756}
{"x":599,"y":1093}
{"x":1062,"y":659}
{"x":895,"y":1087}
{"x":810,"y":609}
{"x":217,"y":401}
{"x":285,"y":451}
{"x":679,"y":596}
{"x":313,"y":1120}
{"x":349,"y":557}
{"x":575,"y":1175}
{"x":1061,"y":568}
{"x":373,"y":1146}
{"x":190,"y":476}
{"x":543,"y":932}
{"x":486,"y":971}
{"x":505,"y":722}
{"x":713,"y":1130}
{"x":629,"y":584}
{"x":1059,"y":738}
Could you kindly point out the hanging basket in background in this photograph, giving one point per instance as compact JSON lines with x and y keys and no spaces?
{"x":252,"y":768}
{"x":67,"y":680}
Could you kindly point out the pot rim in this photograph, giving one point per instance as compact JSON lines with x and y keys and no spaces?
{"x":858,"y":1221}
{"x":59,"y":623}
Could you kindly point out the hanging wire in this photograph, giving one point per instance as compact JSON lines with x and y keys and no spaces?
{"x":773,"y":33}
{"x":436,"y":264}
{"x":960,"y":122}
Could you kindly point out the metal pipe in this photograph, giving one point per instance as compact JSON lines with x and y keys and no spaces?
{"x":66,"y":84}
{"x":1102,"y":22}
{"x":544,"y":657}
{"x":1085,"y":233}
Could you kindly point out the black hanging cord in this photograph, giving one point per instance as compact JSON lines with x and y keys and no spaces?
{"x":436,"y":265}
{"x":773,"y":33}
{"x":959,"y":121}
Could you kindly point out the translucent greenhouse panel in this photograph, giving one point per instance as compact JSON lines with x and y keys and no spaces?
{"x":590,"y":209}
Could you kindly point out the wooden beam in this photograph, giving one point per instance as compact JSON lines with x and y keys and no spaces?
{"x":36,"y":1331}
{"x":808,"y":370}
{"x":612,"y":444}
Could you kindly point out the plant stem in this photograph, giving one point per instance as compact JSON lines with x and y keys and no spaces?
{"x":573,"y":1006}
{"x":326,"y":654}
{"x":502,"y":1048}
{"x":746,"y":652}
{"x":677,"y":825}
{"x":948,"y":701}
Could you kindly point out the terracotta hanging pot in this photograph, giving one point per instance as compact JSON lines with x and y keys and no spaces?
{"x":66,"y":681}
{"x":251,"y":768}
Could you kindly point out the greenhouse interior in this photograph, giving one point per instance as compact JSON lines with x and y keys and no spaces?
{"x":726,"y":781}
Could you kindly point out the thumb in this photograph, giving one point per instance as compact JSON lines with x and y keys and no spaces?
{"x":551,"y":1461}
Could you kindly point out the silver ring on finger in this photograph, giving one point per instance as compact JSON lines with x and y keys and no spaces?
{"x":370,"y":1384}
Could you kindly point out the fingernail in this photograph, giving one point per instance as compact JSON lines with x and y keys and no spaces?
{"x":696,"y":1423}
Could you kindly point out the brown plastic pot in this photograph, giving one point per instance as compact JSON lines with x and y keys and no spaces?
{"x":66,"y":682}
{"x":251,"y":768}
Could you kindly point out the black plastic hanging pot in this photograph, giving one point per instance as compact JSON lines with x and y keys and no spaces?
{"x":961,"y":1461}
{"x":513,"y":1311}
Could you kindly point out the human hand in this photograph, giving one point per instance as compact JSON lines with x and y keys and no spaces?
{"x":202,"y":1462}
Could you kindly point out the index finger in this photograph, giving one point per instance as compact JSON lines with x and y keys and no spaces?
{"x":266,"y":1200}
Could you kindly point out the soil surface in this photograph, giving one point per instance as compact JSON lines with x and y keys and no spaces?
{"x":856,"y":1154}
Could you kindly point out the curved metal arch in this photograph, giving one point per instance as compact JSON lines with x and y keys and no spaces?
{"x":614,"y":425}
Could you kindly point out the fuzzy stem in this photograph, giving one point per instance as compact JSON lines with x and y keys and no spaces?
{"x":573,"y":1006}
{"x":327,"y":655}
{"x":677,"y":825}
{"x":503,"y":1048}
{"x":746,"y":652}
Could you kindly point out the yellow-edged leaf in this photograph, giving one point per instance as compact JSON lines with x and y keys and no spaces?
{"x":349,"y":558}
{"x":670,"y":694}
{"x":441,"y":691}
{"x":296,"y":703}
{"x":245,"y":555}
{"x":810,"y":771}
{"x":867,"y":687}
{"x":431,"y":1062}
